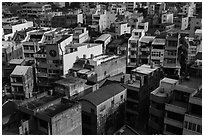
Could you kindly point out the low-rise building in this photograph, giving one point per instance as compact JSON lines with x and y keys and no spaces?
{"x":103,"y":111}
{"x":195,"y":23}
{"x":22,"y":82}
{"x":80,"y":35}
{"x":122,"y":28}
{"x":167,"y":18}
{"x":181,"y":21}
{"x":49,"y":115}
{"x":104,"y":39}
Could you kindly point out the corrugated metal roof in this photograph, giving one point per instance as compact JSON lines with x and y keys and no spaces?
{"x":20,"y":70}
{"x":103,"y":93}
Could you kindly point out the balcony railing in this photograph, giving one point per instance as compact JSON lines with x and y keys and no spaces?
{"x":156,"y":112}
{"x":173,"y":122}
{"x":175,"y":108}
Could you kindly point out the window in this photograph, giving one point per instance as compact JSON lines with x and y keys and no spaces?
{"x":190,"y":126}
{"x":112,"y":103}
{"x":121,"y":97}
{"x":199,"y":128}
{"x":186,"y":124}
{"x":92,"y":110}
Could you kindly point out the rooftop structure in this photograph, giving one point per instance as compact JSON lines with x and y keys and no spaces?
{"x":20,"y":70}
{"x":145,"y":69}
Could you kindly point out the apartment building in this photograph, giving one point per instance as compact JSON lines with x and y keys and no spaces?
{"x":49,"y":59}
{"x":171,"y":64}
{"x":103,"y":110}
{"x":189,"y":9}
{"x":158,"y":98}
{"x":96,"y":69}
{"x":195,"y":23}
{"x":67,"y":20}
{"x":80,"y":35}
{"x":45,"y":114}
{"x":143,"y":80}
{"x":176,"y":108}
{"x":9,"y":29}
{"x":79,"y":50}
{"x":145,"y":47}
{"x":132,"y":49}
{"x":130,"y":6}
{"x":143,"y":25}
{"x":167,"y":18}
{"x":156,"y":8}
{"x":104,"y":39}
{"x":22,"y":82}
{"x":135,"y":19}
{"x":45,"y":19}
{"x":122,"y":28}
{"x":193,"y":117}
{"x":32,"y":10}
{"x":181,"y":21}
{"x":157,"y":52}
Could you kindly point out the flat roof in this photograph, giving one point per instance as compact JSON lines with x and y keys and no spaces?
{"x":184,"y":88}
{"x":83,"y":71}
{"x":158,"y":41}
{"x":70,"y":81}
{"x":147,"y":39}
{"x":57,"y":108}
{"x":16,"y":61}
{"x":198,"y":31}
{"x":20,"y":70}
{"x":103,"y":37}
{"x":169,"y":80}
{"x":159,"y":92}
{"x":104,"y":93}
{"x":144,"y":69}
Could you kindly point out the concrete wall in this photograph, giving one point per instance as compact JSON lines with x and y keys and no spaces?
{"x":69,"y":59}
{"x":111,"y":68}
{"x":68,"y":122}
{"x":64,"y":43}
{"x":22,"y":26}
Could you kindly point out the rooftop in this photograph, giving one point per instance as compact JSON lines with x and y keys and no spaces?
{"x":184,"y":88}
{"x":147,"y":39}
{"x":103,"y":94}
{"x":20,"y":70}
{"x":103,"y":37}
{"x":16,"y":61}
{"x":169,"y":80}
{"x":31,"y":4}
{"x":158,"y":41}
{"x":70,"y":81}
{"x":159,"y":92}
{"x":144,"y":69}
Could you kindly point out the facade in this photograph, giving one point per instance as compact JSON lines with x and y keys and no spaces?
{"x":96,"y":69}
{"x":122,"y":28}
{"x":104,"y":39}
{"x":143,"y":80}
{"x":143,"y":25}
{"x":80,"y":35}
{"x":158,"y":98}
{"x":171,"y":64}
{"x":157,"y":52}
{"x":22,"y":82}
{"x":176,"y":109}
{"x":145,"y":47}
{"x":132,"y":52}
{"x":103,"y":110}
{"x":31,"y":10}
{"x":49,"y":115}
{"x":167,"y":18}
{"x":67,"y":20}
{"x":181,"y":21}
{"x":45,"y":19}
{"x":79,"y":50}
{"x":189,"y":9}
{"x":130,"y":6}
{"x":195,"y":23}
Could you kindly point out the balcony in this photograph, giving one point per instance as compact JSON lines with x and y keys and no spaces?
{"x":173,"y":122}
{"x":42,"y":74}
{"x":155,"y":125}
{"x":133,"y":49}
{"x":17,"y":84}
{"x":145,"y":49}
{"x":133,"y":56}
{"x":194,"y":118}
{"x":156,"y":112}
{"x":177,"y":107}
{"x":158,"y":99}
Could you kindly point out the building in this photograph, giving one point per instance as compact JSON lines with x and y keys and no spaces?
{"x":72,"y":87}
{"x":97,"y":68}
{"x":80,"y":35}
{"x":104,"y":39}
{"x":181,"y":21}
{"x":176,"y":109}
{"x":158,"y":98}
{"x":157,"y":52}
{"x":31,"y":9}
{"x":79,"y":50}
{"x":167,"y":18}
{"x":122,"y":28}
{"x":143,"y":25}
{"x":45,"y":19}
{"x":22,"y":82}
{"x":66,"y":21}
{"x":171,"y":64}
{"x":9,"y":29}
{"x":49,"y":59}
{"x":134,"y":19}
{"x":189,"y":9}
{"x":45,"y":114}
{"x":145,"y":47}
{"x":156,"y":8}
{"x":132,"y":52}
{"x":143,"y":80}
{"x":195,"y":23}
{"x":130,"y":6}
{"x":193,"y":118}
{"x":103,"y":110}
